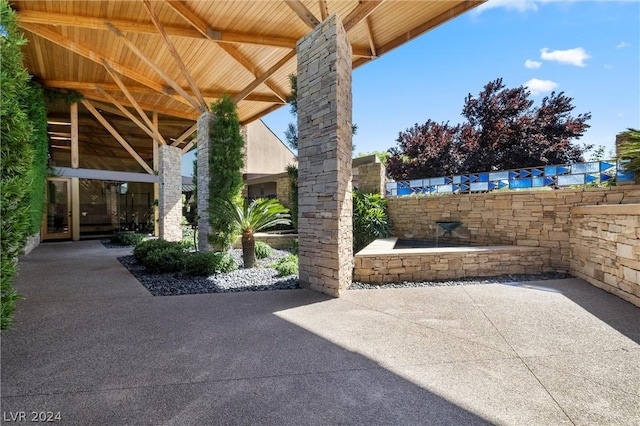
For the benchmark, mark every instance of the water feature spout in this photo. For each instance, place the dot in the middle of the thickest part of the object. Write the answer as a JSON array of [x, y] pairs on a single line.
[[447, 227]]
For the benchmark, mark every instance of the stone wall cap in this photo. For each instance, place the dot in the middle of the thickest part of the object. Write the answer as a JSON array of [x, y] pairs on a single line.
[[617, 209]]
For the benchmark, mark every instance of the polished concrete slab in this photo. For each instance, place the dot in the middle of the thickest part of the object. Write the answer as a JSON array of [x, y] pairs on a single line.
[[91, 343]]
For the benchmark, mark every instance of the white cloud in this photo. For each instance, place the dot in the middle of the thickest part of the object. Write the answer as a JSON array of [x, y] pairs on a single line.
[[538, 87], [517, 5], [622, 45], [575, 56], [534, 65]]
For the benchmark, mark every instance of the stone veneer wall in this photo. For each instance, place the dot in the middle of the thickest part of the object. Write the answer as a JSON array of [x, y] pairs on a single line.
[[324, 158], [532, 219], [283, 191], [371, 178], [605, 248], [170, 200]]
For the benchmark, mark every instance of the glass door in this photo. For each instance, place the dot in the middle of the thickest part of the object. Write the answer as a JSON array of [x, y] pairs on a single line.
[[58, 210]]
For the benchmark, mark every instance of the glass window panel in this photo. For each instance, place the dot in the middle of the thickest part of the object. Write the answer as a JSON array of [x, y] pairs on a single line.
[[480, 186], [499, 176], [437, 181], [415, 183], [537, 182], [445, 188], [571, 180], [520, 183]]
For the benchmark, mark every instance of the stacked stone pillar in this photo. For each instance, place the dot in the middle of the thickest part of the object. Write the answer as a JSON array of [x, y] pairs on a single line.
[[170, 197], [205, 121], [324, 159]]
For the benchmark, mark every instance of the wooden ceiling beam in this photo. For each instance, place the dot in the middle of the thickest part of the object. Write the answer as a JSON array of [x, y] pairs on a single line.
[[110, 87], [117, 136], [357, 15], [185, 135], [201, 26], [426, 26], [260, 114], [176, 56], [221, 36], [303, 13], [259, 80], [324, 9], [132, 100], [140, 124], [162, 110], [81, 50], [372, 44], [235, 53], [170, 81]]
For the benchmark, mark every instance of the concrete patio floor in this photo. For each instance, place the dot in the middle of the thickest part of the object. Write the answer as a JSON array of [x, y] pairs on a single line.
[[91, 343]]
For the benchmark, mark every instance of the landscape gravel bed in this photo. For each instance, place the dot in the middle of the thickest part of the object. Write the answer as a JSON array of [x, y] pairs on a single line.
[[264, 278], [253, 279]]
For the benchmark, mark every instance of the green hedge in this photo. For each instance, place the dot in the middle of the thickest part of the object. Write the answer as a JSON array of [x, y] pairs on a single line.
[[37, 112], [16, 161]]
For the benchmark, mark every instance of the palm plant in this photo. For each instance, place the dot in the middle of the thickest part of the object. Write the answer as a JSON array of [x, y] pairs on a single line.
[[249, 218]]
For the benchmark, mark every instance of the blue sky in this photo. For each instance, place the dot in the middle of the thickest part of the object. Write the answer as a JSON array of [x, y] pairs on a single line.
[[590, 50], [587, 49]]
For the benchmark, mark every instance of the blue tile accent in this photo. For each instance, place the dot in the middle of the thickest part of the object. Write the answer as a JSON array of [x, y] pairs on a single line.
[[520, 183]]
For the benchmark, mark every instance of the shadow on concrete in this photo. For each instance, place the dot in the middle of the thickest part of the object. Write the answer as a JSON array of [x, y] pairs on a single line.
[[114, 358]]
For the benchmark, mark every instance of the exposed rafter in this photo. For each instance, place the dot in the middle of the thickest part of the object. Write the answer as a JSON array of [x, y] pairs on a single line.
[[117, 136], [96, 96], [305, 14], [259, 80], [357, 15], [201, 26], [128, 114], [131, 99], [32, 17], [324, 9], [110, 87], [372, 43], [176, 56], [170, 81], [249, 66], [185, 135]]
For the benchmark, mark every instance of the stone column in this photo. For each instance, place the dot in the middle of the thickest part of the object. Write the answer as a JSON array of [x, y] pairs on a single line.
[[170, 199], [204, 125], [324, 159]]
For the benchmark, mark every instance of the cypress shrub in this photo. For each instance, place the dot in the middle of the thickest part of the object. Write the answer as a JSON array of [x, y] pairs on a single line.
[[225, 170]]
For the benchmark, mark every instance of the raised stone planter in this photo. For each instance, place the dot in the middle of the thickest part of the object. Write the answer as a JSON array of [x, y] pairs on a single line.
[[380, 263]]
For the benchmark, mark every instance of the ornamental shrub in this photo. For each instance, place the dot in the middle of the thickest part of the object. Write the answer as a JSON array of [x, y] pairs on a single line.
[[142, 250], [370, 219], [127, 238], [206, 263], [169, 259], [263, 250], [287, 265]]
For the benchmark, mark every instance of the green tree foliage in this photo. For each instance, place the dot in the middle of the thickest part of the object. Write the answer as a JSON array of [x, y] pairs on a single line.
[[249, 218], [630, 151], [225, 170], [370, 219], [16, 158], [503, 130]]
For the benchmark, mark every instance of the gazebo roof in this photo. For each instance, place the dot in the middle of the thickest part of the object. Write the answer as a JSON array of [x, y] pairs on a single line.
[[179, 56]]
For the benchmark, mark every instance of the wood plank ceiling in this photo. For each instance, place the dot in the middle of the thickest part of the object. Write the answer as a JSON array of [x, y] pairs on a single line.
[[129, 58]]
